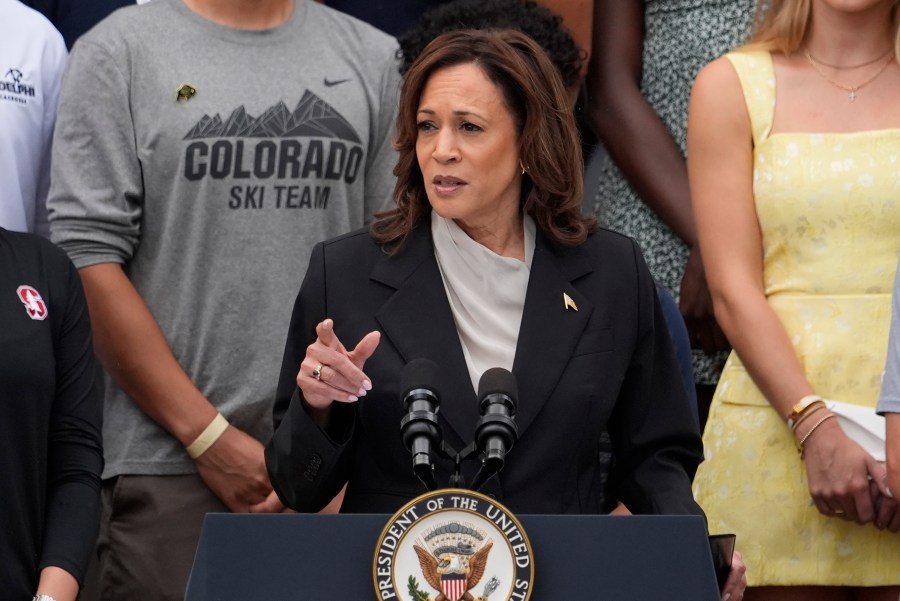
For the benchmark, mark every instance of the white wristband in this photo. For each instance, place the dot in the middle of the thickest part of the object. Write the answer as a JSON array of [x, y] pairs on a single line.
[[209, 436]]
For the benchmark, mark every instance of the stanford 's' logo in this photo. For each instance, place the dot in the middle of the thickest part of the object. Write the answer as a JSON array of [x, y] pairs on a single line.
[[34, 304]]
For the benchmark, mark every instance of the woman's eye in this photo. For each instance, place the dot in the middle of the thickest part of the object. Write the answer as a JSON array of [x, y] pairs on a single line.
[[466, 126], [425, 125]]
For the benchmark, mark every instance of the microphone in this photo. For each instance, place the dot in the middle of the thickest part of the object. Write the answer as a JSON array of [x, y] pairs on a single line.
[[419, 427], [496, 431]]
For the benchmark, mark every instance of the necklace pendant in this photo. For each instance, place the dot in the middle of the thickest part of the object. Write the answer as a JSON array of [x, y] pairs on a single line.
[[852, 95]]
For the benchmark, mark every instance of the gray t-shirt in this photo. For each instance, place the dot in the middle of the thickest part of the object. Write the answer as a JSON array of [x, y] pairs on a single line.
[[889, 402], [208, 161]]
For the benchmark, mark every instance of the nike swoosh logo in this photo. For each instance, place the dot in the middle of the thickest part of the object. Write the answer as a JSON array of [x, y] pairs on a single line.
[[329, 83]]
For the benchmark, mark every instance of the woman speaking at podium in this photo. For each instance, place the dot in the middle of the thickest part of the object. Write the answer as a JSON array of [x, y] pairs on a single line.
[[486, 261]]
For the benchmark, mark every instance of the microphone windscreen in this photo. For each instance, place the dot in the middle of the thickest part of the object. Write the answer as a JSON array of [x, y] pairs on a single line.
[[420, 373], [498, 380]]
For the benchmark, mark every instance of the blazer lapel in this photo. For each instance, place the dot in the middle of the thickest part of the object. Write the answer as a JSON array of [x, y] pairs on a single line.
[[418, 322], [550, 330]]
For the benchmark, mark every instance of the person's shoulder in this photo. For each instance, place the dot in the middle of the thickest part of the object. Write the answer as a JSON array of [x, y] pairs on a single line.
[[608, 264], [356, 241], [34, 250], [22, 17], [355, 31], [126, 26], [28, 25], [23, 240], [348, 253], [612, 254], [607, 241], [604, 251], [18, 15], [718, 72], [724, 71], [717, 92]]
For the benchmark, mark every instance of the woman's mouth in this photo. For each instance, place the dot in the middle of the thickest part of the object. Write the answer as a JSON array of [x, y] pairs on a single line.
[[445, 184]]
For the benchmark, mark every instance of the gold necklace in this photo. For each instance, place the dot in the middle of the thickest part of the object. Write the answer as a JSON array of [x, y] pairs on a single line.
[[848, 67], [851, 90]]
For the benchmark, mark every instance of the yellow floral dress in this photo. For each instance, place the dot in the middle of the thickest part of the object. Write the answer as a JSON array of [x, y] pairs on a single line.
[[829, 212]]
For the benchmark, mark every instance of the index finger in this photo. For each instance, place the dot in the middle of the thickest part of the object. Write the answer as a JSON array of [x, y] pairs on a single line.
[[326, 335]]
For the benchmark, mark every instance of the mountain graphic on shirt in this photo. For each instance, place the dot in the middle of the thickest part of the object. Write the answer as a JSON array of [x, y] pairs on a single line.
[[313, 117]]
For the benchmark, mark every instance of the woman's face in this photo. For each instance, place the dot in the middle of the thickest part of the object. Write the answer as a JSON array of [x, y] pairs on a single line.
[[468, 150]]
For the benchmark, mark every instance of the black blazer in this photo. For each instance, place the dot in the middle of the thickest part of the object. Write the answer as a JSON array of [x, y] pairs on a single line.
[[607, 366]]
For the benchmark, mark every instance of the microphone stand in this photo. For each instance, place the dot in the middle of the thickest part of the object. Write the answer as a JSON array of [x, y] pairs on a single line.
[[489, 467], [425, 471], [457, 480]]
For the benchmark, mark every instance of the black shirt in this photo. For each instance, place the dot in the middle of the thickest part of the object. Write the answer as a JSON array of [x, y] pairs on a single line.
[[51, 453]]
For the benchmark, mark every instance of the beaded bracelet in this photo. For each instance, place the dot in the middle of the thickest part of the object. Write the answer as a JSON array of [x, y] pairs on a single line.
[[806, 436]]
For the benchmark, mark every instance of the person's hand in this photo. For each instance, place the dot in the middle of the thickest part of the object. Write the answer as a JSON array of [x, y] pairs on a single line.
[[887, 509], [330, 373], [271, 504], [887, 516], [839, 472], [736, 583], [235, 470], [696, 307]]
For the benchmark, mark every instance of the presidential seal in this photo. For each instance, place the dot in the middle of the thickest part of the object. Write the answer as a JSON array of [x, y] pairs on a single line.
[[453, 545]]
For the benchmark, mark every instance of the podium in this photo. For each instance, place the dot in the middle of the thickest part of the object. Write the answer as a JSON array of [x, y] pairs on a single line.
[[311, 557]]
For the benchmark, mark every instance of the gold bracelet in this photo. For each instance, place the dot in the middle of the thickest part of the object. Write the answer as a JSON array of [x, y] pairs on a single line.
[[811, 430], [805, 416], [208, 437], [802, 406]]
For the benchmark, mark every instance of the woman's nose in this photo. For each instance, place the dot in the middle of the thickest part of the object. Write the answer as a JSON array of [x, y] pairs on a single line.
[[445, 147]]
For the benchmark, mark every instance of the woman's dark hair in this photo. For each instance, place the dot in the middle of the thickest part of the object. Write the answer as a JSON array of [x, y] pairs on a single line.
[[527, 16], [549, 147]]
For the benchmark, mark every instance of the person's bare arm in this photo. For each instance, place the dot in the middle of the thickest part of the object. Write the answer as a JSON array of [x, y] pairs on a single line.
[[632, 132], [721, 172], [893, 453], [643, 149], [134, 351], [57, 583]]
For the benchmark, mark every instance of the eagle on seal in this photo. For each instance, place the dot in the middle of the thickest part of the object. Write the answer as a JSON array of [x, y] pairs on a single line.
[[448, 564]]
